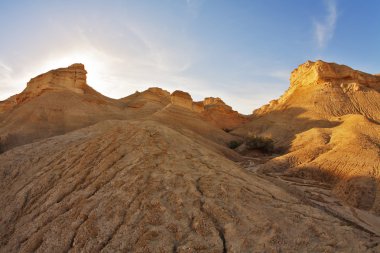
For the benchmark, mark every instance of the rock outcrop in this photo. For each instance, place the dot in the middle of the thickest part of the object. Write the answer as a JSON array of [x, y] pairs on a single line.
[[210, 102], [158, 91], [181, 98], [325, 90], [198, 107], [328, 123], [151, 172], [72, 78], [222, 115], [212, 109], [148, 101], [319, 72], [54, 103], [60, 101]]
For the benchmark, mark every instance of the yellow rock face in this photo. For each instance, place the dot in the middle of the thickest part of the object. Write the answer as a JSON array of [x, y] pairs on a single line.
[[328, 122], [311, 73], [72, 78], [324, 90], [182, 99]]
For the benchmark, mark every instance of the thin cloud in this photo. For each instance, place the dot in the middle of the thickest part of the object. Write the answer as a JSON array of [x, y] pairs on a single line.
[[4, 69], [6, 80], [5, 74], [324, 29]]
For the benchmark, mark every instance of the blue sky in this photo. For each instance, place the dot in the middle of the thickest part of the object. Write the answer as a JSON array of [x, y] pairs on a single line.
[[241, 51]]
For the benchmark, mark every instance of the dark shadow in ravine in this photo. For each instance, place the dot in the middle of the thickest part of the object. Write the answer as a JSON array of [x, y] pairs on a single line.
[[283, 126], [356, 191]]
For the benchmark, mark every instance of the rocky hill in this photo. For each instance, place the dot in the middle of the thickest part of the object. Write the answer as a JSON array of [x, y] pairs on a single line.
[[152, 172], [60, 101], [325, 90], [143, 187], [328, 122]]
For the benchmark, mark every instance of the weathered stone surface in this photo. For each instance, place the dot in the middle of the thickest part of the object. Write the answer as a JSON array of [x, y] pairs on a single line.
[[142, 187], [182, 99], [312, 73], [211, 101], [159, 91], [152, 172], [72, 78], [148, 101], [53, 103], [198, 107], [328, 122], [324, 90], [212, 109], [222, 115]]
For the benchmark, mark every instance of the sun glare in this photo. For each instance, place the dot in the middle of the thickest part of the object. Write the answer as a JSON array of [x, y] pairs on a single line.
[[94, 64]]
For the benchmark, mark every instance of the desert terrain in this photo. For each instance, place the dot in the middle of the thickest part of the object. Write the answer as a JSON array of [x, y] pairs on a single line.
[[158, 172]]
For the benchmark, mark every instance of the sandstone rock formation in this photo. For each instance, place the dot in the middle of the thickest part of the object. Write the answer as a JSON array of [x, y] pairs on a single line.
[[329, 122], [198, 107], [325, 90], [142, 104], [222, 115], [212, 109], [151, 172], [182, 99], [138, 99], [72, 78], [60, 101], [53, 103]]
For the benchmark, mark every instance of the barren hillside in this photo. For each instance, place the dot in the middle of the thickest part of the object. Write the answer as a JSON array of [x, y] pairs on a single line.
[[152, 172], [328, 121], [140, 186], [60, 101]]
